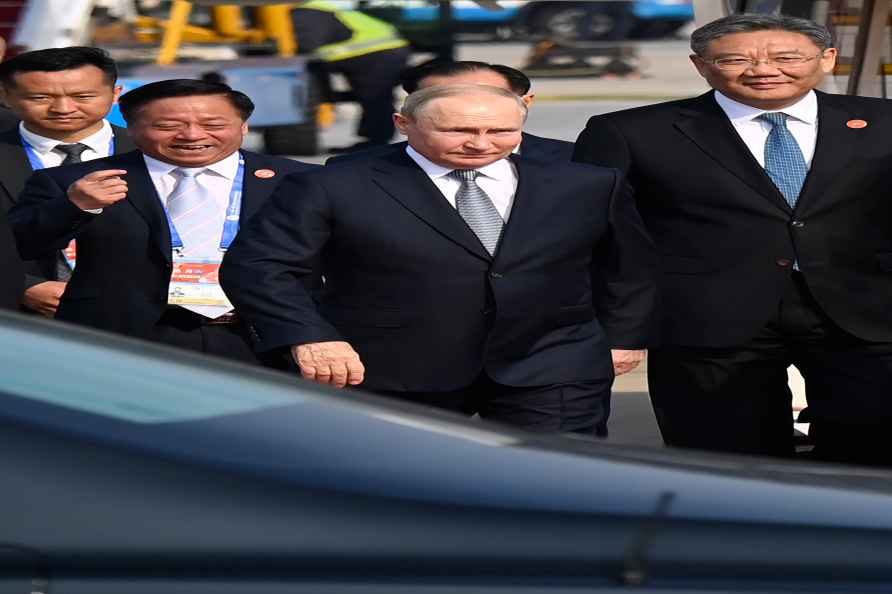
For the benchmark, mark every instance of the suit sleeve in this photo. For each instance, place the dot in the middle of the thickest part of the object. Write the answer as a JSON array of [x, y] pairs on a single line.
[[269, 268], [626, 274], [44, 219], [602, 143], [11, 265]]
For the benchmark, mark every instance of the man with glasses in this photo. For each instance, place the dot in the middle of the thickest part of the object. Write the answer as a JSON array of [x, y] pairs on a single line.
[[769, 202]]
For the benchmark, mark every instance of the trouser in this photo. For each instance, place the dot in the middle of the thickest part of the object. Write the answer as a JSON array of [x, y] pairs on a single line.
[[738, 400], [372, 78], [578, 407]]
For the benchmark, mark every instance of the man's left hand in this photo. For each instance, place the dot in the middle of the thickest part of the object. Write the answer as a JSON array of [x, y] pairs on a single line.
[[625, 361]]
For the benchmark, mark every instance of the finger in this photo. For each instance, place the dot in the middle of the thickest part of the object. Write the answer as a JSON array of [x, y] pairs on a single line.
[[355, 372], [339, 375], [104, 174], [323, 374], [307, 371]]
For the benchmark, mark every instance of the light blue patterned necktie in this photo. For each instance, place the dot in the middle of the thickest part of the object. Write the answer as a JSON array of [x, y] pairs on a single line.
[[784, 162], [477, 209], [194, 214]]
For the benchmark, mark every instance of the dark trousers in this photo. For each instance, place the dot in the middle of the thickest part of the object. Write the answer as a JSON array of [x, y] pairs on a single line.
[[738, 400], [184, 329], [372, 78], [581, 408]]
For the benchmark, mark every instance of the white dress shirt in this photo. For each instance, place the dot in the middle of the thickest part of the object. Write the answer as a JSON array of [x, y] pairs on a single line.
[[217, 178], [97, 145], [498, 180], [802, 124]]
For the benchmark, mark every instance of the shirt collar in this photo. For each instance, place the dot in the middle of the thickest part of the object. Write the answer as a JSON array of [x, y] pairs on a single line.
[[499, 170], [98, 142], [226, 167], [804, 110]]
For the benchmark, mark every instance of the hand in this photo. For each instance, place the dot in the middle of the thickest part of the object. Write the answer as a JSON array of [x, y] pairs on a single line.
[[625, 361], [44, 297], [98, 189], [333, 363]]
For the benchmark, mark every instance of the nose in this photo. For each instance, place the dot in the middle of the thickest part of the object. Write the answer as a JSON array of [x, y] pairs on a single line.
[[190, 132], [62, 104], [762, 67], [479, 142]]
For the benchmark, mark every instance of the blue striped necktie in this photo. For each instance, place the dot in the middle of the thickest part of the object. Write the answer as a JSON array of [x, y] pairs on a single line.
[[477, 209], [784, 162]]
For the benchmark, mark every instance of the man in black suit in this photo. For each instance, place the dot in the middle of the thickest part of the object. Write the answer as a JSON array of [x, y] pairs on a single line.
[[430, 295], [152, 224], [61, 97], [444, 72], [769, 203]]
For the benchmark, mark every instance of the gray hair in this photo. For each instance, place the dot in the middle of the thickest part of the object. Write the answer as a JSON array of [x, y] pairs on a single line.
[[416, 102], [745, 23]]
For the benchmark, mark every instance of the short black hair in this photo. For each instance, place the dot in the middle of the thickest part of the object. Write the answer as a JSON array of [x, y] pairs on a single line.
[[58, 59], [131, 101], [517, 81]]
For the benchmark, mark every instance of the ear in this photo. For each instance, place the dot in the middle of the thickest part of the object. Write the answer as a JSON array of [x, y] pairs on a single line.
[[402, 123], [244, 128], [118, 90], [529, 98], [700, 64], [828, 60]]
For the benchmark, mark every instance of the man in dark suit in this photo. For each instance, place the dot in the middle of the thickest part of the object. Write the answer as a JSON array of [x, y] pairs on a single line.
[[61, 97], [13, 277], [444, 72], [769, 203], [430, 295], [152, 224]]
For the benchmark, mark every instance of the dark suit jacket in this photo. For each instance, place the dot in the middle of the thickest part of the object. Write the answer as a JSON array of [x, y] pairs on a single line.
[[409, 285], [725, 233], [13, 276], [124, 254], [14, 173], [532, 148]]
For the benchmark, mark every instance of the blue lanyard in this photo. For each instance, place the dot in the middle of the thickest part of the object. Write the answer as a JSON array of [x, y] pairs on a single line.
[[36, 163], [233, 211]]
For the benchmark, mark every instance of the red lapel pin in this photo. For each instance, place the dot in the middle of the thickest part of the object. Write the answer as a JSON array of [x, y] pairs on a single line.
[[266, 173], [856, 124]]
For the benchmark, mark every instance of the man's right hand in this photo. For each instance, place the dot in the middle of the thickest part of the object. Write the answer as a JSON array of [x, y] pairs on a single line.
[[333, 363], [98, 189], [44, 297]]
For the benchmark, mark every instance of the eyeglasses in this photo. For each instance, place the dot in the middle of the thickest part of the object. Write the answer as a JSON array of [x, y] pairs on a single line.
[[776, 61]]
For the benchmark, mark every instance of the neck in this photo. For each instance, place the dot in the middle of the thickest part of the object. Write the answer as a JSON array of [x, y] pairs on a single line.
[[66, 136]]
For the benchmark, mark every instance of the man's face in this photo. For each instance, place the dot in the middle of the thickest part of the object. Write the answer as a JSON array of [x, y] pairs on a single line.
[[765, 86], [464, 132], [476, 77], [63, 104], [192, 131]]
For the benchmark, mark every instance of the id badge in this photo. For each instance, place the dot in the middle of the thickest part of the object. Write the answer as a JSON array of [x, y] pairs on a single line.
[[196, 282]]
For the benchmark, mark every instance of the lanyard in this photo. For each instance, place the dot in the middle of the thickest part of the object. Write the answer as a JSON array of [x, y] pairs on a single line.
[[233, 210], [36, 162]]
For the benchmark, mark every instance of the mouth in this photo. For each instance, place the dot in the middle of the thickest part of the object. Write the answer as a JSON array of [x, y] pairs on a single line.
[[764, 85], [191, 148]]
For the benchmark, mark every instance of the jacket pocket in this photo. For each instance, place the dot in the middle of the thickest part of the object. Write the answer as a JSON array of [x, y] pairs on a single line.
[[573, 314]]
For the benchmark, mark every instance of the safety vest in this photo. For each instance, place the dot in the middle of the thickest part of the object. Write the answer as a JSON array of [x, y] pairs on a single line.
[[369, 34]]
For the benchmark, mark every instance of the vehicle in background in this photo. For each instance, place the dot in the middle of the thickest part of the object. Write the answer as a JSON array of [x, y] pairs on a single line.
[[566, 20]]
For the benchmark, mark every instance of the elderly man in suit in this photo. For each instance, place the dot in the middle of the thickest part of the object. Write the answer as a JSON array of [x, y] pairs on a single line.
[[769, 203], [445, 72], [62, 97], [456, 275], [152, 224]]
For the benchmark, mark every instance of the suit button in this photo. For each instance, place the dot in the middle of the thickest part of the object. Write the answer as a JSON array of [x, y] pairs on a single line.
[[783, 262], [495, 275], [797, 224], [486, 311]]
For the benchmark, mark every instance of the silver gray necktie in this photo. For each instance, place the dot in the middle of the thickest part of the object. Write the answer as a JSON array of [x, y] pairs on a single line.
[[193, 211], [477, 209]]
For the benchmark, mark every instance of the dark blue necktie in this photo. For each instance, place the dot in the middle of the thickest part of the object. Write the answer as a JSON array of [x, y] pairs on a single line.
[[784, 162]]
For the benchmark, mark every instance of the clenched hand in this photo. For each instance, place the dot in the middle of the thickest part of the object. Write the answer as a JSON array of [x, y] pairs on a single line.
[[625, 361], [333, 363], [98, 189]]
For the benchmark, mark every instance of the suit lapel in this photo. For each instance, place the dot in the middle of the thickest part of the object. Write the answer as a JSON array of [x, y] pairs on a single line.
[[407, 183], [533, 183], [142, 195], [256, 189], [708, 127], [123, 144], [834, 150], [17, 168]]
